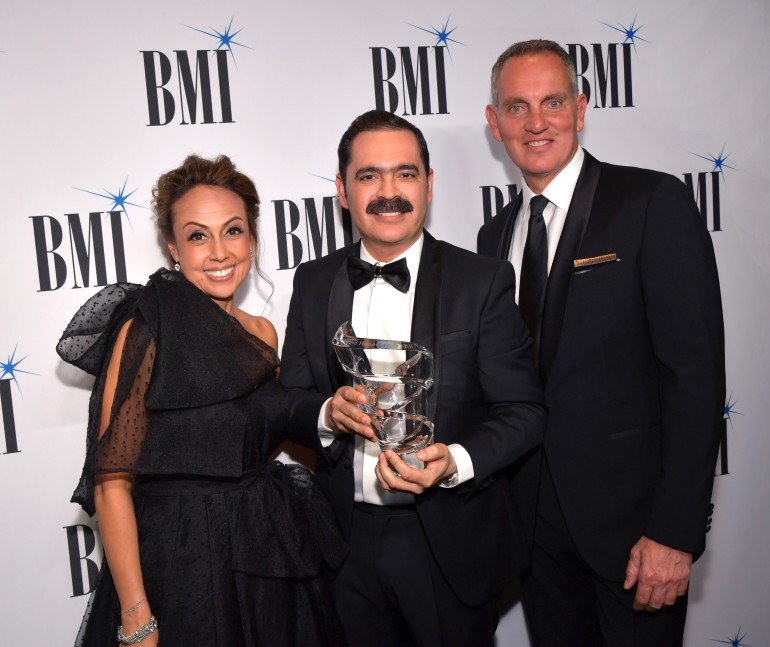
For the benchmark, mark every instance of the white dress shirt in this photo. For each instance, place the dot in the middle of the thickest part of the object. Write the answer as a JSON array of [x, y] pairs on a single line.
[[559, 193], [382, 312]]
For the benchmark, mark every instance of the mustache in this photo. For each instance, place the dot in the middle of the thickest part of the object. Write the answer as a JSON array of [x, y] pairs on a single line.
[[383, 205]]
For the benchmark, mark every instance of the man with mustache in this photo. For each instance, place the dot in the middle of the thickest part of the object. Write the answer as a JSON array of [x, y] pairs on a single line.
[[430, 549]]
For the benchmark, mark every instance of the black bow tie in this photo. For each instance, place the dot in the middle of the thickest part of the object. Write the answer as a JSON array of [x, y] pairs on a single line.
[[361, 273]]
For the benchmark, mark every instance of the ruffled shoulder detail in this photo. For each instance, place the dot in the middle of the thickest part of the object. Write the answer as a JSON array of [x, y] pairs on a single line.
[[83, 342], [203, 355]]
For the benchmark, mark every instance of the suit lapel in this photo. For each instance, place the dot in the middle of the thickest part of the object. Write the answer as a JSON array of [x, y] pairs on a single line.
[[509, 213], [338, 311], [426, 314], [561, 270]]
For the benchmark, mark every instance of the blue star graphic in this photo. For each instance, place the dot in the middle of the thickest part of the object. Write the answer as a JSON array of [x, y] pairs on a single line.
[[737, 641], [730, 410], [442, 35], [718, 161], [322, 177], [11, 367], [119, 199], [225, 38], [630, 33]]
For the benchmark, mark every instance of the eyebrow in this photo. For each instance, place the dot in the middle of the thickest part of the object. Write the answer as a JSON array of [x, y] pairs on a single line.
[[548, 97], [381, 169], [192, 223]]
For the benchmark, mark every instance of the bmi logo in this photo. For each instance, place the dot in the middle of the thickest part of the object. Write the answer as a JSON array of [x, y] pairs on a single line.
[[705, 188], [10, 370], [311, 230], [605, 71], [81, 544], [413, 79], [193, 86], [493, 199], [92, 251]]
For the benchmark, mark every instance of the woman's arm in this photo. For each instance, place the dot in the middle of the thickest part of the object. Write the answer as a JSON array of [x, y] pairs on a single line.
[[117, 520]]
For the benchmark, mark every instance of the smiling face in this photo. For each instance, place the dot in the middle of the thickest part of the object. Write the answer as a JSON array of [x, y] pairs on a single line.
[[387, 190], [212, 241], [538, 116]]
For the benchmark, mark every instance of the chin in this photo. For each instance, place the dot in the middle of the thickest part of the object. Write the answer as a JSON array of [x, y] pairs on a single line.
[[220, 297]]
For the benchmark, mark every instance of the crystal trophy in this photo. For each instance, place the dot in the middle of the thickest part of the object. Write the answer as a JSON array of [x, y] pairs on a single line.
[[395, 377]]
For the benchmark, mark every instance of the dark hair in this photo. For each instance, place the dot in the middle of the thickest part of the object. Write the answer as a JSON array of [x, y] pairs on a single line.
[[537, 46], [195, 171], [377, 120]]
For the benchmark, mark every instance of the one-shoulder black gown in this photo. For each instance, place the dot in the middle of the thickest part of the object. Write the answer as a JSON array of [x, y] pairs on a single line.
[[233, 548]]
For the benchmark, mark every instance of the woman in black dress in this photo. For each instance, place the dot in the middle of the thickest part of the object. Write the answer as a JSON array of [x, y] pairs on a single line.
[[206, 543]]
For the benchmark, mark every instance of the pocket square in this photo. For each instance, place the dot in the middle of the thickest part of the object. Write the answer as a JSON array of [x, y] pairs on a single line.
[[579, 263]]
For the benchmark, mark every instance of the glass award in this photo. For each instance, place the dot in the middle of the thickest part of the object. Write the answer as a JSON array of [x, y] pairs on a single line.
[[395, 377]]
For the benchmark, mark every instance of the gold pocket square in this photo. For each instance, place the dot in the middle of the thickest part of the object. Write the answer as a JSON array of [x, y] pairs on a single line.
[[595, 260]]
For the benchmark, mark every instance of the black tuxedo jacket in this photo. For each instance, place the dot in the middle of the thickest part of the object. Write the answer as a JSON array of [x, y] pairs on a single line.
[[632, 363], [486, 397]]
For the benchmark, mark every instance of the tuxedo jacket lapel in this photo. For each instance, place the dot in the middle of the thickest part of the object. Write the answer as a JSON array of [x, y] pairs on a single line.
[[338, 311], [504, 248], [562, 268], [426, 313]]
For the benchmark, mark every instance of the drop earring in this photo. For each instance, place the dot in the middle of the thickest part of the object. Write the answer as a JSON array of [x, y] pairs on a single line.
[[177, 266]]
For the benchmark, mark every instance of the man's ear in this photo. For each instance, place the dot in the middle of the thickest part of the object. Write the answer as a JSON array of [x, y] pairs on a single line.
[[492, 121], [341, 191], [582, 103]]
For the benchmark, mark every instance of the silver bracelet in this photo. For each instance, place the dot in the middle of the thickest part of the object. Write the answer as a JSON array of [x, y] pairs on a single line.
[[132, 610], [139, 635]]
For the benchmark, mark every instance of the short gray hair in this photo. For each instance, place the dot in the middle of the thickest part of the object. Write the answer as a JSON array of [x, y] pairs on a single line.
[[537, 46]]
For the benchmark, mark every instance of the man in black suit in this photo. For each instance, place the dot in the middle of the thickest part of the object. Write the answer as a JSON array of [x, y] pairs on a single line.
[[618, 284], [429, 549]]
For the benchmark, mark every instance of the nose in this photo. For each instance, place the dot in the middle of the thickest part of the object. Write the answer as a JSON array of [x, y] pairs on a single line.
[[218, 250], [388, 188], [536, 122]]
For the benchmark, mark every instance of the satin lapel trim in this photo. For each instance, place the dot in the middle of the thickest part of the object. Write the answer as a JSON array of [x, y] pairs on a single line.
[[339, 310], [504, 247], [561, 270], [426, 314]]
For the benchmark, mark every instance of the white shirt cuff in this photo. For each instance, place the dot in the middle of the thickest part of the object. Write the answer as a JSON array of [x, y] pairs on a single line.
[[325, 434]]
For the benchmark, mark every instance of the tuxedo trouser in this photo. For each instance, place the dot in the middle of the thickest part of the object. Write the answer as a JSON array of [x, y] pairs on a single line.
[[390, 591], [566, 604]]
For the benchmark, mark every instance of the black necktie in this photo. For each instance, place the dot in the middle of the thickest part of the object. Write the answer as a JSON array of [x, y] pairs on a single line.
[[534, 270], [361, 273]]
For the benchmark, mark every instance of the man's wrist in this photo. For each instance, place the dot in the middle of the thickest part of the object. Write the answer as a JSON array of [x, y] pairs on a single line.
[[463, 467], [450, 481]]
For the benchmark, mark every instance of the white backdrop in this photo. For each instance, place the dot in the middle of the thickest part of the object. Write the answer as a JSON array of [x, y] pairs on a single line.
[[692, 92]]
